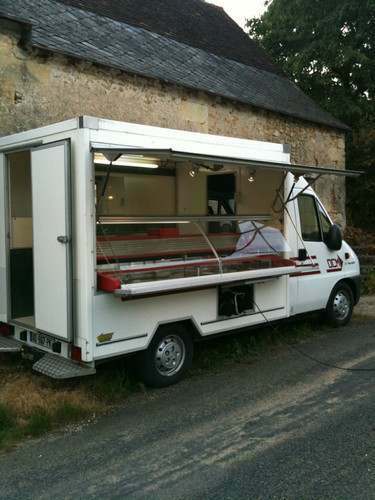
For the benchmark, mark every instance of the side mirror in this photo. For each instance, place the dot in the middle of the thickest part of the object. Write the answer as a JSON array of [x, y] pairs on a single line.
[[333, 239], [302, 254]]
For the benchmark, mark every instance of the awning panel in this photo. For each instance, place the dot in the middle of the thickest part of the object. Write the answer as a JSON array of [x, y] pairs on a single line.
[[114, 153]]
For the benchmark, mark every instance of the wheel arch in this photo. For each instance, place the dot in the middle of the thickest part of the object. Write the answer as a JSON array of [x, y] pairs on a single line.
[[188, 324], [354, 284]]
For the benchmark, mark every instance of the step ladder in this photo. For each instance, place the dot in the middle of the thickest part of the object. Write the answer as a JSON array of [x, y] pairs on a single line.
[[9, 344], [60, 368], [49, 364]]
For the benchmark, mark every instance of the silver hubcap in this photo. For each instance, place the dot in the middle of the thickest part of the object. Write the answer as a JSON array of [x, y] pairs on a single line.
[[341, 305], [170, 355]]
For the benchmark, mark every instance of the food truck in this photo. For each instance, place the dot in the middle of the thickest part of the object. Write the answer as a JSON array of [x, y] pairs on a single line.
[[118, 239]]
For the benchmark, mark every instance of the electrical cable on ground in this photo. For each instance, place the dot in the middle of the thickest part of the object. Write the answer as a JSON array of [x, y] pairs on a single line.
[[308, 356], [291, 346]]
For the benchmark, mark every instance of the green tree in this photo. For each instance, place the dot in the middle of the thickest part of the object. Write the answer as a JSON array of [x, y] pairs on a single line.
[[328, 48]]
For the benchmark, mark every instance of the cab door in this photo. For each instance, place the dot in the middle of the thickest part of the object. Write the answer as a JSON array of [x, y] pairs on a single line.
[[50, 175], [314, 283]]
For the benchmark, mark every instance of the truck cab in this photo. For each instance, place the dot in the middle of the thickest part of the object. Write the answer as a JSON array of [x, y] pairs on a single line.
[[320, 243]]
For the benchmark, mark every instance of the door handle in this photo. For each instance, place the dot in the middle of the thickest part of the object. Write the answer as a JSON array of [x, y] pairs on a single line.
[[63, 239]]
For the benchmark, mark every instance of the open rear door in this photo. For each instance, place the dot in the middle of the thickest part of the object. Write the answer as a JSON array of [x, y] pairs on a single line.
[[50, 173]]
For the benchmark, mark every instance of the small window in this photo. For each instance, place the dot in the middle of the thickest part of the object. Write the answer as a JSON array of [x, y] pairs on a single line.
[[309, 218], [221, 193], [325, 223]]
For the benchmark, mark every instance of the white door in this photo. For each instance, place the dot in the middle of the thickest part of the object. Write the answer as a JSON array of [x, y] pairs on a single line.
[[52, 239], [315, 285]]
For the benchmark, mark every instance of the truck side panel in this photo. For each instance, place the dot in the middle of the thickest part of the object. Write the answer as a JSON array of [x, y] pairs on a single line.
[[128, 326]]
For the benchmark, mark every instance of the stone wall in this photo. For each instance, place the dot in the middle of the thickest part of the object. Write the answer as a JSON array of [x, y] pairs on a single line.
[[37, 89]]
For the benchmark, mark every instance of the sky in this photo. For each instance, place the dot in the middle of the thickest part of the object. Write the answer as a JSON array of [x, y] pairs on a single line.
[[240, 10]]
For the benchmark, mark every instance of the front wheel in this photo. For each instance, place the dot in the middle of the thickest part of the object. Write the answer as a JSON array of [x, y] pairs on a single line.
[[167, 358], [339, 309]]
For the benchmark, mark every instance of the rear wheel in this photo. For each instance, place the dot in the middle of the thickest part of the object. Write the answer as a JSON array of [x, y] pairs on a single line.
[[339, 309], [167, 358]]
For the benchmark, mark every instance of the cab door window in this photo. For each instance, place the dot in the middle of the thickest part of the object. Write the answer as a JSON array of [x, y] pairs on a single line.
[[325, 223], [308, 214]]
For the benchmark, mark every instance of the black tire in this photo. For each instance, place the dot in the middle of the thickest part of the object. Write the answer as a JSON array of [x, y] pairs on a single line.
[[161, 364], [340, 305]]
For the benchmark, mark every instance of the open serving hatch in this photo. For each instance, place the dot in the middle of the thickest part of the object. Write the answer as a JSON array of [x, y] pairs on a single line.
[[169, 220]]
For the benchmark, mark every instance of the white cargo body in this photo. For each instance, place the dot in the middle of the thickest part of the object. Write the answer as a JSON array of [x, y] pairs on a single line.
[[112, 233]]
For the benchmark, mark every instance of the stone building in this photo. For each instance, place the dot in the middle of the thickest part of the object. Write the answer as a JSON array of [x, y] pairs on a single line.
[[181, 64]]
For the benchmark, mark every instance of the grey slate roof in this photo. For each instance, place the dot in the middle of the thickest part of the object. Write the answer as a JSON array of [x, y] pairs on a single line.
[[85, 35], [196, 23]]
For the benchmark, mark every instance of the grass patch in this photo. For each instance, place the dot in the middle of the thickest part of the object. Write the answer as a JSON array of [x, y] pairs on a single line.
[[6, 418], [113, 382], [14, 428], [67, 413], [368, 283], [38, 423], [32, 405], [7, 425]]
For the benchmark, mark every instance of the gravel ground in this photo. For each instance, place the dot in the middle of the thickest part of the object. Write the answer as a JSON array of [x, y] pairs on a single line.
[[283, 427]]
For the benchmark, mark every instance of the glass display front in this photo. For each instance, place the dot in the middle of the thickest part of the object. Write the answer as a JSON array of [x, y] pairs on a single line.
[[182, 222]]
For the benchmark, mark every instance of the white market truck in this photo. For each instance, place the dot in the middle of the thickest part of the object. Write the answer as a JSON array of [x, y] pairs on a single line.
[[118, 238]]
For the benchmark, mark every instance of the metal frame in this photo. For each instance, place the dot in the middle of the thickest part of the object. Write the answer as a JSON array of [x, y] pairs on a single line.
[[8, 215], [180, 219], [309, 184], [20, 149], [5, 206], [37, 136]]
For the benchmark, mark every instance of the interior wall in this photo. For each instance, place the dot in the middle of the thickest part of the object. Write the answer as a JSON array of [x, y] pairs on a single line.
[[257, 197], [140, 195], [183, 195], [191, 192], [251, 198], [20, 200], [20, 184]]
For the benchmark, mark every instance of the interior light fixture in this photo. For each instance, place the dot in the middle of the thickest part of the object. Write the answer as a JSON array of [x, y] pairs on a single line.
[[193, 172], [251, 177], [127, 161]]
